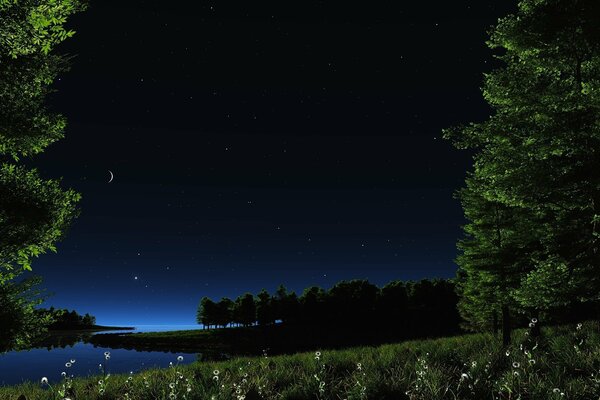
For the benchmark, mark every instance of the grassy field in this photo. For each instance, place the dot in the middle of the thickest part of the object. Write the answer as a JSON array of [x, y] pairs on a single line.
[[563, 364]]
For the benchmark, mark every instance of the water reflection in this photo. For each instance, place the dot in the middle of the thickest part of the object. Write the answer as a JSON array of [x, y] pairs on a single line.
[[49, 357]]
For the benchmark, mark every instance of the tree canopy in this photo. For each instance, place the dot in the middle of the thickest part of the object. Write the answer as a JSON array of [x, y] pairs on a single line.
[[34, 212], [532, 199]]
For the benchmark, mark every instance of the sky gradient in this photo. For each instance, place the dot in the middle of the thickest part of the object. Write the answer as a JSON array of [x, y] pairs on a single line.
[[254, 145]]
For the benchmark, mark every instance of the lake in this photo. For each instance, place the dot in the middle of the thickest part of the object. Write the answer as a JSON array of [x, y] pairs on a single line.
[[32, 365]]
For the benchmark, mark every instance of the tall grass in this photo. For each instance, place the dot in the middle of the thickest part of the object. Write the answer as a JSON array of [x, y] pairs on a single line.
[[563, 364]]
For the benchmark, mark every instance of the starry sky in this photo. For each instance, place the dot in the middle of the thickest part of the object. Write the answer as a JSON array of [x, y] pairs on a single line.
[[259, 143]]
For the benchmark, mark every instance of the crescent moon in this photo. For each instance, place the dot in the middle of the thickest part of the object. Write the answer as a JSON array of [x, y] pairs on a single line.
[[112, 176]]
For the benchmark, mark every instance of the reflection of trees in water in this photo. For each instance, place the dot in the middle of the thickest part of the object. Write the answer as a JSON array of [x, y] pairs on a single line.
[[61, 340]]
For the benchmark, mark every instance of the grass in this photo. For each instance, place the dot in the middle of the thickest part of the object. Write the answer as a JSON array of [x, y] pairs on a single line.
[[563, 364]]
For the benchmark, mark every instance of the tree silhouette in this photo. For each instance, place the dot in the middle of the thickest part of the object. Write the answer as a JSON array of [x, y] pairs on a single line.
[[392, 305], [224, 312], [245, 310], [313, 303], [286, 305], [357, 308], [353, 300], [265, 309], [207, 312]]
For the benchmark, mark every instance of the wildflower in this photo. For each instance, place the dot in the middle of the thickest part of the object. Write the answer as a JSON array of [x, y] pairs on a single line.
[[532, 362], [63, 374], [68, 365], [516, 365], [534, 321], [507, 353], [44, 381], [579, 326], [100, 382], [180, 358], [72, 361], [172, 385], [516, 373], [216, 372], [464, 376], [359, 366]]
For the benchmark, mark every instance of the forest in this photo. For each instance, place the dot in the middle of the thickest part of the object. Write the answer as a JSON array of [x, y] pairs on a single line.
[[354, 304]]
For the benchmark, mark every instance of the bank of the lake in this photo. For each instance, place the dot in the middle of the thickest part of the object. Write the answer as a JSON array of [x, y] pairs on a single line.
[[561, 364], [217, 344]]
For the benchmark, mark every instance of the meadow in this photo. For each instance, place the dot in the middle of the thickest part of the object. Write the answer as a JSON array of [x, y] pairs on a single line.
[[562, 364]]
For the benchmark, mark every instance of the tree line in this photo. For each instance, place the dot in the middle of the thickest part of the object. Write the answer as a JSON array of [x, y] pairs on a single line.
[[428, 304], [532, 200], [65, 319]]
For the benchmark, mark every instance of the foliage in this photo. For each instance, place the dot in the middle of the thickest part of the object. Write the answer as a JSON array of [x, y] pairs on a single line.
[[423, 307], [535, 185], [564, 365], [65, 319], [21, 323], [33, 212]]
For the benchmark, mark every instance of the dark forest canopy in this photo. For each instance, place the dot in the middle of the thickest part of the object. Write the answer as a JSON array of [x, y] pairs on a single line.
[[65, 319], [405, 306]]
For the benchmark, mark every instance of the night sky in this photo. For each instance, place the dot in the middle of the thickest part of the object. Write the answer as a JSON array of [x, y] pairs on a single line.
[[259, 143]]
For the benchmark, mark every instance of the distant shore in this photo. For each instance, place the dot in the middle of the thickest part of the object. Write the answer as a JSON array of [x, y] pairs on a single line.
[[92, 328]]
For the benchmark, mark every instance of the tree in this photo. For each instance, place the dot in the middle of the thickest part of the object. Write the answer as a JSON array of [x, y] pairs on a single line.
[[207, 312], [224, 312], [392, 304], [495, 255], [265, 308], [34, 213], [313, 302], [286, 305], [353, 301], [88, 320], [244, 311], [21, 323], [536, 157]]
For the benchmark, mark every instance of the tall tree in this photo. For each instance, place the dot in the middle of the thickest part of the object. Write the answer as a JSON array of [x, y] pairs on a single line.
[[495, 255], [537, 154], [207, 312], [353, 301], [265, 308], [287, 306], [224, 312], [34, 212], [244, 310]]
